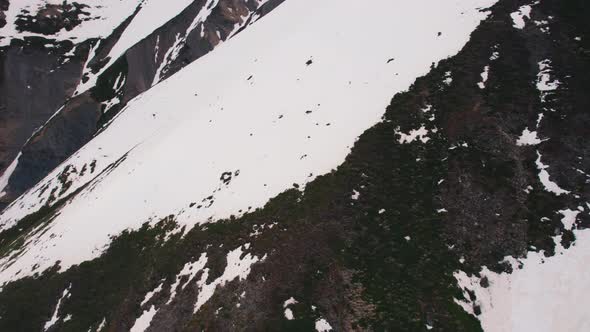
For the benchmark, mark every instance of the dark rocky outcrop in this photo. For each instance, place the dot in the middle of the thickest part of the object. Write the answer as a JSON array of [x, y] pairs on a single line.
[[35, 80], [73, 126], [52, 18], [3, 7]]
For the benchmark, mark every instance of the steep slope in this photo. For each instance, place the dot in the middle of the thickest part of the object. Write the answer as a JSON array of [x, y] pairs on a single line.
[[84, 75], [463, 201], [44, 45], [218, 138]]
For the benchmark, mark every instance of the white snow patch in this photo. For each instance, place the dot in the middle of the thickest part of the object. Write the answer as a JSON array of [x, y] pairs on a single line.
[[414, 134], [71, 52], [102, 325], [289, 302], [495, 55], [539, 118], [543, 25], [528, 138], [237, 268], [189, 269], [229, 125], [544, 177], [55, 317], [545, 83], [7, 174], [151, 294], [545, 295], [448, 78], [427, 109], [144, 321], [119, 81], [110, 103], [569, 218], [519, 15], [322, 325], [289, 314], [258, 229], [484, 77]]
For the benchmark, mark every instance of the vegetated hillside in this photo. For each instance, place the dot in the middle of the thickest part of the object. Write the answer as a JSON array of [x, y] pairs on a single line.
[[482, 158]]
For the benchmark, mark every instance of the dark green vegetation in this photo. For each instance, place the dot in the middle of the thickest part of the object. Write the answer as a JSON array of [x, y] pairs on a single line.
[[383, 261]]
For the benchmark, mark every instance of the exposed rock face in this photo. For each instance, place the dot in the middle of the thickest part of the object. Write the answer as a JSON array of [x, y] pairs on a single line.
[[3, 7], [52, 18], [73, 126], [152, 60], [36, 79]]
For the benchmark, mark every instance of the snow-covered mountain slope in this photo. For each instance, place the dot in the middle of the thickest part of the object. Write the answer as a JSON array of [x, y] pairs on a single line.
[[281, 104], [80, 83]]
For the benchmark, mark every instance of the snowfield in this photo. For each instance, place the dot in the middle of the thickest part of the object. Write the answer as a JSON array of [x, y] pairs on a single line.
[[545, 295], [281, 103]]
